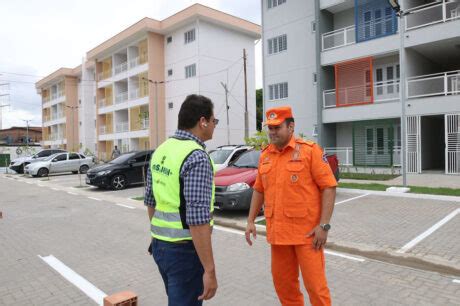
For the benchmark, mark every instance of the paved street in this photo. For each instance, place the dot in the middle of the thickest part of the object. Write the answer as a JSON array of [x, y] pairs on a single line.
[[106, 243]]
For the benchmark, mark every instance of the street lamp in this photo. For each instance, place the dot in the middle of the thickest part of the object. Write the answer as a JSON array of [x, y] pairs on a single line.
[[402, 84], [156, 107]]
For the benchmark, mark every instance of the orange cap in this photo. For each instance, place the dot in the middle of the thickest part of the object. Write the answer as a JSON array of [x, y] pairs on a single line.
[[277, 115]]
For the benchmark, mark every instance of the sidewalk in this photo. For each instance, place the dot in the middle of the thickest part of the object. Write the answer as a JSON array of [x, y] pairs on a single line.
[[432, 179]]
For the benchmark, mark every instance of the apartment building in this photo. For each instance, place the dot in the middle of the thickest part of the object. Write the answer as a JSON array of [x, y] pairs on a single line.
[[338, 63], [143, 74]]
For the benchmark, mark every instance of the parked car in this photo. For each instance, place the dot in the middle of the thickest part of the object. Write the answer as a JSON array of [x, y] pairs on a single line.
[[127, 169], [234, 184], [225, 155], [59, 163], [233, 189], [18, 164]]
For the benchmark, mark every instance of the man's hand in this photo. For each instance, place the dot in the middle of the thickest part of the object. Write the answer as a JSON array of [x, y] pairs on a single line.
[[320, 237], [209, 284], [250, 229]]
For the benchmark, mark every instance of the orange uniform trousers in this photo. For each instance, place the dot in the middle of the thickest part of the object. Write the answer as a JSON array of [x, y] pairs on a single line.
[[286, 260]]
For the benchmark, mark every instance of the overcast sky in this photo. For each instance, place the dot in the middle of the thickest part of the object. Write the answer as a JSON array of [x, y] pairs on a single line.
[[38, 37]]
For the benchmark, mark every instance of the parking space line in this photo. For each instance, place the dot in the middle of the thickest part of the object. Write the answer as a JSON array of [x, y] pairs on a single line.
[[127, 206], [72, 193], [428, 232], [95, 199], [76, 279], [344, 256], [348, 200], [228, 230], [457, 281]]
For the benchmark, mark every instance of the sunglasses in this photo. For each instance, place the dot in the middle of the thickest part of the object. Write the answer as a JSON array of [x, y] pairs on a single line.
[[215, 121]]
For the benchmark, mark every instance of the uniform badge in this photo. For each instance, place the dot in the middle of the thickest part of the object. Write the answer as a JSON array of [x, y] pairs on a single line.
[[325, 158], [272, 116], [294, 178]]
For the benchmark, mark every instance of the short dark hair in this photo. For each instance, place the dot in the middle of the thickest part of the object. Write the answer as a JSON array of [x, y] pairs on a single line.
[[288, 121], [192, 109]]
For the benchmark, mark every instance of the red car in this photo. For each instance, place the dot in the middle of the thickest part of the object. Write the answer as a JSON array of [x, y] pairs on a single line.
[[234, 183]]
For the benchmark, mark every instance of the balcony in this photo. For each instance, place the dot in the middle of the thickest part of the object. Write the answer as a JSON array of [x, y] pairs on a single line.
[[104, 75], [383, 92], [134, 62], [438, 84], [121, 97], [122, 127], [339, 38], [102, 130], [58, 136], [121, 68], [57, 115], [102, 103], [134, 94], [432, 13], [145, 123]]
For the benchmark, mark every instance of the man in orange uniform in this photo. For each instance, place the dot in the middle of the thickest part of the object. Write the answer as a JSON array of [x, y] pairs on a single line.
[[297, 187]]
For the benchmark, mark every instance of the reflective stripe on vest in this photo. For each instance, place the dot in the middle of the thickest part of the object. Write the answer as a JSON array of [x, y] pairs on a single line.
[[171, 233], [167, 216]]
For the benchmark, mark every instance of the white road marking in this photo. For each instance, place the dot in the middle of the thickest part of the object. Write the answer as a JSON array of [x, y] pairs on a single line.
[[127, 206], [72, 193], [348, 200], [73, 277], [95, 199], [344, 256], [457, 281], [428, 232], [234, 231], [28, 183], [56, 189]]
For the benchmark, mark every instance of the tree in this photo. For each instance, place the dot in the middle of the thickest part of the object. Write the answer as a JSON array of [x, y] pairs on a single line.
[[259, 140], [259, 108]]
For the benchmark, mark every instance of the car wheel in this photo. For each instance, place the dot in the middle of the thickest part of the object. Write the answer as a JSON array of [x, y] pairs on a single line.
[[118, 182], [83, 169], [42, 172], [21, 169]]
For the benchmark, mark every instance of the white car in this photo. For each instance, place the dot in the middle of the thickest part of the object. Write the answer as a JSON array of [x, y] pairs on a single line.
[[225, 155], [60, 162], [19, 163]]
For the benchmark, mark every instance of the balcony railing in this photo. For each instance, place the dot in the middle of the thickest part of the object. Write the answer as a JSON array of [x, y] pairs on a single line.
[[105, 74], [431, 13], [437, 84], [58, 115], [121, 97], [345, 155], [55, 137], [122, 127], [133, 62], [338, 38], [103, 130], [145, 123], [383, 92], [102, 103], [121, 68], [134, 94]]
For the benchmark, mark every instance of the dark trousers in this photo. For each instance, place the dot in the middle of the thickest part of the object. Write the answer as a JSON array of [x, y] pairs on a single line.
[[181, 270]]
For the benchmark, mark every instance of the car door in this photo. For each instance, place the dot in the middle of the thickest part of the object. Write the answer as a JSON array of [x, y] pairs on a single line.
[[73, 163], [58, 163], [140, 161]]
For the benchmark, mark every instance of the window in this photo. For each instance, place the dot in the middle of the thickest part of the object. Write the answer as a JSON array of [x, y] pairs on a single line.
[[380, 141], [170, 72], [169, 39], [81, 156], [278, 91], [142, 158], [80, 123], [170, 105], [390, 77], [369, 140], [315, 78], [189, 36], [79, 101], [60, 157], [313, 26], [190, 71], [277, 44], [236, 155], [74, 156], [379, 79], [378, 22], [274, 3], [315, 130]]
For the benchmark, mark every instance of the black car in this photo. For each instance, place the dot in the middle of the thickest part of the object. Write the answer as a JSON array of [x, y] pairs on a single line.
[[127, 169]]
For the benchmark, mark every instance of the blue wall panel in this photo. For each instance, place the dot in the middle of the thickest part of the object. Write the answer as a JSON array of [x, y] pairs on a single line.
[[374, 19]]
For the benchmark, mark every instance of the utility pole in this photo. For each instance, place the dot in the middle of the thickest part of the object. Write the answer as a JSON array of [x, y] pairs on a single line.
[[156, 109], [27, 133], [227, 107], [246, 117], [2, 85]]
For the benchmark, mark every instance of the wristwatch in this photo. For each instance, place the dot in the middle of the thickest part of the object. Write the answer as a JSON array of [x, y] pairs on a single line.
[[325, 227]]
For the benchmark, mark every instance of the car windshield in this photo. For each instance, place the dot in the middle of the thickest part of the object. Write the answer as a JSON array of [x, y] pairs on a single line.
[[220, 156], [42, 154], [122, 158], [249, 159]]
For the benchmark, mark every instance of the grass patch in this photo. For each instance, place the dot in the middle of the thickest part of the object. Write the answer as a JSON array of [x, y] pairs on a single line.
[[261, 222], [413, 189], [367, 176], [138, 198]]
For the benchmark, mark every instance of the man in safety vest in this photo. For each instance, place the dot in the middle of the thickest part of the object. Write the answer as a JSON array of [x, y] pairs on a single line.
[[297, 186], [180, 195]]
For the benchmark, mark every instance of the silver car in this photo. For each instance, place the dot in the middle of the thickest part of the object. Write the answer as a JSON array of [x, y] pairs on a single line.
[[60, 162]]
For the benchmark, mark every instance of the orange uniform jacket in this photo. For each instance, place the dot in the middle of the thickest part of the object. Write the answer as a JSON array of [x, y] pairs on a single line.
[[291, 181]]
